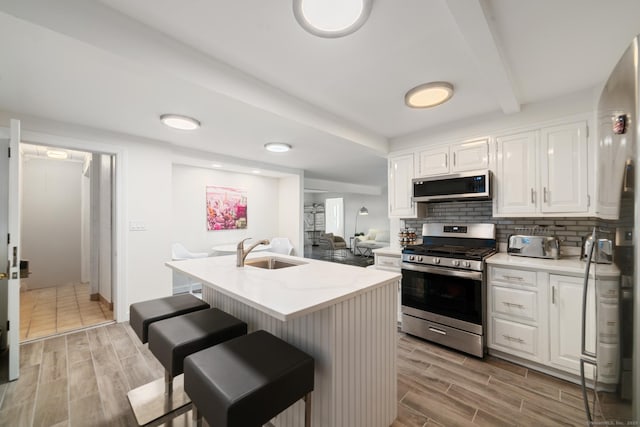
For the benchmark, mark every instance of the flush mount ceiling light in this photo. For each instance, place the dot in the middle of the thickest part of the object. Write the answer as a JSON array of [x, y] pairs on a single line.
[[277, 147], [179, 122], [429, 95], [57, 154], [331, 18]]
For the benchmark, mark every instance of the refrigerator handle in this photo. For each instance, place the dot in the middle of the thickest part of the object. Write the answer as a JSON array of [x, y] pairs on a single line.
[[583, 383], [585, 292]]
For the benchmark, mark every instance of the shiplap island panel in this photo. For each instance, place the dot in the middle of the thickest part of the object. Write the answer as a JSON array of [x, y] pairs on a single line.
[[344, 316]]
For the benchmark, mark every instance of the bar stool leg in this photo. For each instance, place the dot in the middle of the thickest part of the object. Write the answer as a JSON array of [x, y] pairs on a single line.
[[168, 383], [307, 410], [196, 417]]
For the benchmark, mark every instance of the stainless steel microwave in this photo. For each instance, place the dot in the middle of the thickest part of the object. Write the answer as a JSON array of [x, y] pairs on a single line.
[[460, 186]]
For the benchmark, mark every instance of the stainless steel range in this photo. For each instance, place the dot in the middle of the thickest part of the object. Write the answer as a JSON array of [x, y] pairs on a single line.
[[444, 287]]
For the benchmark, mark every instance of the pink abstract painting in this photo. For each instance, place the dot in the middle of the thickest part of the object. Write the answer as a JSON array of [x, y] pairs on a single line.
[[226, 208]]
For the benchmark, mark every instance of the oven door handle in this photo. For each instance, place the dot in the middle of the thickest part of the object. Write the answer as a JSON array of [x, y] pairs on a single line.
[[473, 275]]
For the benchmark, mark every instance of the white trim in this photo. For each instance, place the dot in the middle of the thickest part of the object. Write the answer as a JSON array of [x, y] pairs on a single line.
[[121, 312]]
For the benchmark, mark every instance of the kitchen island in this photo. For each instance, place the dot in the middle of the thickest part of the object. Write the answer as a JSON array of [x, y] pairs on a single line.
[[344, 316]]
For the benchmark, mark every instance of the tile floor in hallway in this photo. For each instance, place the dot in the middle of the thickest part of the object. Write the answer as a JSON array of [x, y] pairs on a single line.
[[81, 379], [49, 311]]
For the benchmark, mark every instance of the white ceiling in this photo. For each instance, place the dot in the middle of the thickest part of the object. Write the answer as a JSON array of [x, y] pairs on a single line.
[[251, 75]]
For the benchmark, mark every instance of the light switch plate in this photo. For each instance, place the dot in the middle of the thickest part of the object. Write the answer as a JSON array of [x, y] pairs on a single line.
[[137, 226]]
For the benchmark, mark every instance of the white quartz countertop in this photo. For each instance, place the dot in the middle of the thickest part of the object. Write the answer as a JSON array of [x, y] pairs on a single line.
[[284, 293], [571, 265]]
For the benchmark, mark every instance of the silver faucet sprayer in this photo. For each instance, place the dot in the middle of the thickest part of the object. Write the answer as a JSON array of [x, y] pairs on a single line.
[[241, 254]]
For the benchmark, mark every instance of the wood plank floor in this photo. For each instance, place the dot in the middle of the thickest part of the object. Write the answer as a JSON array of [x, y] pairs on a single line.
[[81, 379]]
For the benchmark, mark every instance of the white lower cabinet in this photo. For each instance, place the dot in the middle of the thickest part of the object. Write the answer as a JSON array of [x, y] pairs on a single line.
[[565, 321], [515, 322], [391, 261], [537, 316]]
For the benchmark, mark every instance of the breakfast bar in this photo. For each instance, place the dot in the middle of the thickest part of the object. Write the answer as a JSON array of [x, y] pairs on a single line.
[[344, 316]]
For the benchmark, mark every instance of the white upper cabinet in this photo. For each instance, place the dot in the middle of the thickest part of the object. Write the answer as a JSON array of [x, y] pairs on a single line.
[[470, 155], [515, 180], [563, 171], [461, 157], [542, 172], [400, 187], [432, 162]]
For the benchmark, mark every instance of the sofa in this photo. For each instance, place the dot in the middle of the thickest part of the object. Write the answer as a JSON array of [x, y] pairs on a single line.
[[374, 239]]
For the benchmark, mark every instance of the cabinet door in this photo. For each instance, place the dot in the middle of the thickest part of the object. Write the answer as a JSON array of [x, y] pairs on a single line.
[[565, 321], [563, 168], [470, 156], [400, 187], [515, 182], [433, 162]]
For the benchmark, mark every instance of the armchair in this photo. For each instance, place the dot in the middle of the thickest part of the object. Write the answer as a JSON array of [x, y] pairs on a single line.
[[334, 245]]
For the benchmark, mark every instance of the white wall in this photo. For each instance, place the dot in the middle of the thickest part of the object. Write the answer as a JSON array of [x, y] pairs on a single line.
[[51, 206], [189, 225], [531, 114], [290, 207], [377, 206]]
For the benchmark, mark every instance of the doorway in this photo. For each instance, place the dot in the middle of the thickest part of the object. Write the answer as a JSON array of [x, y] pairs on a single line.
[[67, 240]]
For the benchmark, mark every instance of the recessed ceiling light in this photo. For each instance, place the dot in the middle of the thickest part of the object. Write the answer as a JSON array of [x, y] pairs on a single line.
[[255, 171], [429, 95], [277, 147], [331, 18], [57, 154], [179, 122], [216, 165]]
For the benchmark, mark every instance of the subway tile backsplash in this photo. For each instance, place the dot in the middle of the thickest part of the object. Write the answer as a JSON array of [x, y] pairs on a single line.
[[569, 230]]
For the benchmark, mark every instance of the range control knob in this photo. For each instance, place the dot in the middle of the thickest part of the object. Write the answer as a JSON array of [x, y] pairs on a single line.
[[436, 260], [466, 264], [419, 258], [412, 258], [456, 263]]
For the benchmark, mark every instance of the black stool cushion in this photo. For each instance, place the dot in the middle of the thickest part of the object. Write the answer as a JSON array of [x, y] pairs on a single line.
[[171, 340], [142, 314], [248, 380]]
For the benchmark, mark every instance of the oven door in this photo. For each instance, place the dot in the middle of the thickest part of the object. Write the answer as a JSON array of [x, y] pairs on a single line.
[[447, 296]]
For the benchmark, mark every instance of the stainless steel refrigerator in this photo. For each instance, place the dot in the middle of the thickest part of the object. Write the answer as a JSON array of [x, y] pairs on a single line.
[[618, 210]]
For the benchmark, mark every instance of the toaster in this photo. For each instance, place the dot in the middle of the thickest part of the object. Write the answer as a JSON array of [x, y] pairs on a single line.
[[602, 253], [534, 246]]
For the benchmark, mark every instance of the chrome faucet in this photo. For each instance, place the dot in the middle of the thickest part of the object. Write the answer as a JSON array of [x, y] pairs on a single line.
[[241, 254]]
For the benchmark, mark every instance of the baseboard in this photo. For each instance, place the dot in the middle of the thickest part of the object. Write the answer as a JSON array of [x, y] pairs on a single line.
[[103, 300]]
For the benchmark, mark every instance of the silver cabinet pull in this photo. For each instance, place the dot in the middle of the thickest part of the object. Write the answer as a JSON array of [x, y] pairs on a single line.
[[544, 194], [454, 159], [533, 197], [512, 304], [446, 157], [514, 278], [553, 295], [513, 339], [437, 331]]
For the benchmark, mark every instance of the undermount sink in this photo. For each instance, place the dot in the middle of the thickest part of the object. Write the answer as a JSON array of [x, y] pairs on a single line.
[[272, 263]]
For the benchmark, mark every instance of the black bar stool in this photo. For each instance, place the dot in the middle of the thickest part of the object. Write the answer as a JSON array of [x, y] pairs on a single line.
[[171, 340], [248, 380], [142, 314]]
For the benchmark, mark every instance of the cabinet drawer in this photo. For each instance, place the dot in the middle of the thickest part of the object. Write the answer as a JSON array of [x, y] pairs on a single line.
[[388, 261], [516, 277], [515, 302], [608, 362], [515, 336]]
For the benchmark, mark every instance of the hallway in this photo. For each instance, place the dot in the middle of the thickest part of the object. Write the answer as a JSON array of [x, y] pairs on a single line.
[[50, 311]]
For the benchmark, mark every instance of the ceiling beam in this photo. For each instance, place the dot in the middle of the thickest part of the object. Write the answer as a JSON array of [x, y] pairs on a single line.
[[472, 19]]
